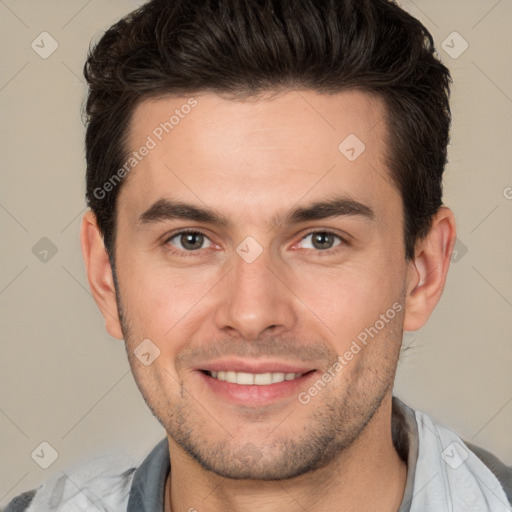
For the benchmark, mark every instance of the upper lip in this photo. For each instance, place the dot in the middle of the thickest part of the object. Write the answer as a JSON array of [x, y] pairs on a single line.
[[254, 366]]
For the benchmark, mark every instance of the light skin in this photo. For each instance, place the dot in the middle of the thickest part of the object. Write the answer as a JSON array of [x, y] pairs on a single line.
[[295, 307]]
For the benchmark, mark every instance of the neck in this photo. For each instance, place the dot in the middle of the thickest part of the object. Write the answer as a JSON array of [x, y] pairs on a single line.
[[368, 475]]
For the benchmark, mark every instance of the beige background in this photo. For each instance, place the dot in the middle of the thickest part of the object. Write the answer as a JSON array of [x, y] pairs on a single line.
[[66, 382]]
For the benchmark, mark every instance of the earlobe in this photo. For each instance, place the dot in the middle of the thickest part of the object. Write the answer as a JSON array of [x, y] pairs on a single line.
[[427, 273], [99, 273]]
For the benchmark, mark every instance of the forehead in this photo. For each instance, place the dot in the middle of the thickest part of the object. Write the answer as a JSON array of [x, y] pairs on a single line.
[[261, 155]]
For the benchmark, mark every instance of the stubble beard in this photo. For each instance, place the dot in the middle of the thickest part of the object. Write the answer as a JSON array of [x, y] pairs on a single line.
[[335, 422]]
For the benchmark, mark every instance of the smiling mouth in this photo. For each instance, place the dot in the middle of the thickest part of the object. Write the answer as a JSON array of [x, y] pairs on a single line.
[[251, 379]]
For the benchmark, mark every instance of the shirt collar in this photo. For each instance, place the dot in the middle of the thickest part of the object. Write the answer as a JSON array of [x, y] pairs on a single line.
[[148, 484], [404, 423]]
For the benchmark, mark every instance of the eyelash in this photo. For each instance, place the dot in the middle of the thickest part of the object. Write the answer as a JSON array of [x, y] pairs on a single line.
[[180, 252], [332, 250], [316, 252]]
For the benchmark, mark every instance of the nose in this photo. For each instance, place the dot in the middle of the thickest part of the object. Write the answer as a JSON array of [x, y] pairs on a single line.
[[256, 299]]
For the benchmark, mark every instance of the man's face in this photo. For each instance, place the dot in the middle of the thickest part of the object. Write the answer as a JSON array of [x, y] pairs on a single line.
[[266, 295]]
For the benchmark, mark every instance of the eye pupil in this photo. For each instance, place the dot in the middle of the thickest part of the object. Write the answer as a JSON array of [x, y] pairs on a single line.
[[322, 240], [192, 240]]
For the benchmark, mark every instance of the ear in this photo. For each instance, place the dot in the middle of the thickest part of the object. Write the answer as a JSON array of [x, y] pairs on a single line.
[[99, 273], [427, 272]]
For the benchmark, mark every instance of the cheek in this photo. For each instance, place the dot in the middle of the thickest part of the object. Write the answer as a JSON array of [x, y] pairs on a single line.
[[160, 303], [351, 298]]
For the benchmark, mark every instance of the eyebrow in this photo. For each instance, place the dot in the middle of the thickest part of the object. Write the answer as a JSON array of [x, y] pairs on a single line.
[[166, 209]]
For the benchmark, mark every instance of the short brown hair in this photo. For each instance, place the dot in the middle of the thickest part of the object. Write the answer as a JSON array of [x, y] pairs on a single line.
[[245, 47]]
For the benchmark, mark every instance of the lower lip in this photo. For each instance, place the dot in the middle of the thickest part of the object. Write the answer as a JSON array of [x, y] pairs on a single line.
[[257, 395]]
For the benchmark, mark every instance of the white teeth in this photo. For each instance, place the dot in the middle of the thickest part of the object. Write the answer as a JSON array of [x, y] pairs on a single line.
[[258, 379], [244, 378], [263, 379], [231, 377], [278, 377]]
